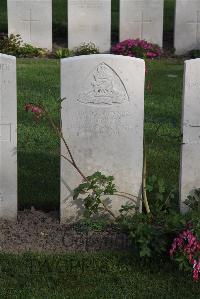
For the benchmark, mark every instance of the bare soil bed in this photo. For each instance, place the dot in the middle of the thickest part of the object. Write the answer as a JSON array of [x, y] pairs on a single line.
[[37, 231]]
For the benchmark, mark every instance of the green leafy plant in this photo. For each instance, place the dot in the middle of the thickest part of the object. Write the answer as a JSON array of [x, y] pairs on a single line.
[[159, 197], [63, 53], [10, 44], [13, 45], [194, 53], [152, 234], [193, 200], [92, 190], [86, 49], [29, 51]]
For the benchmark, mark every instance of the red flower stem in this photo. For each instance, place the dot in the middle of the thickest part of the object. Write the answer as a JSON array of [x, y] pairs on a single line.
[[59, 132]]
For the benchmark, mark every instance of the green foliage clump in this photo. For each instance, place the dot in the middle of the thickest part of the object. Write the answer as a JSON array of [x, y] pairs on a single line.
[[194, 54], [91, 191], [10, 44], [152, 234], [63, 53], [160, 199], [86, 49], [193, 201], [13, 45]]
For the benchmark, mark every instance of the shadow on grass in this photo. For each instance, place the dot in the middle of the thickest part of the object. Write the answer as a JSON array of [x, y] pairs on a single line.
[[38, 181]]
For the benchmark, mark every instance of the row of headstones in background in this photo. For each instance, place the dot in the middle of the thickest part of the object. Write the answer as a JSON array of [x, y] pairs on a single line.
[[103, 124], [91, 21], [88, 21]]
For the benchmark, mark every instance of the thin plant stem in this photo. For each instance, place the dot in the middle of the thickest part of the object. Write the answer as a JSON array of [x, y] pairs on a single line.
[[108, 210], [144, 175], [59, 132]]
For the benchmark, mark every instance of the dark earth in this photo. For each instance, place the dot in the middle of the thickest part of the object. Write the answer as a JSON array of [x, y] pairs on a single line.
[[41, 232]]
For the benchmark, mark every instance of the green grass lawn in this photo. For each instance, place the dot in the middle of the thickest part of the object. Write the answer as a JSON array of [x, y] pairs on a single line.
[[38, 155], [38, 147], [91, 276]]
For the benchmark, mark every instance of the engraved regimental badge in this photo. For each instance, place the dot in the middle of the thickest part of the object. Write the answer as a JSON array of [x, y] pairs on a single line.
[[103, 87]]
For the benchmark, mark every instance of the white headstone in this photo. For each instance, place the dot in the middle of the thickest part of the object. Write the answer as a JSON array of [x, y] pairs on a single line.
[[142, 19], [190, 162], [32, 19], [89, 21], [187, 26], [102, 121], [8, 138]]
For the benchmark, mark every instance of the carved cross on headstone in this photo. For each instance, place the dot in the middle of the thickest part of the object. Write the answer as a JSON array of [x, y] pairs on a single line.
[[29, 21], [142, 22], [197, 24]]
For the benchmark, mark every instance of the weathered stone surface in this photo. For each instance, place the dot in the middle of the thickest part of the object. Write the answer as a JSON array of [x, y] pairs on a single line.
[[190, 162], [102, 121], [187, 26], [8, 138], [32, 19], [89, 21], [142, 19]]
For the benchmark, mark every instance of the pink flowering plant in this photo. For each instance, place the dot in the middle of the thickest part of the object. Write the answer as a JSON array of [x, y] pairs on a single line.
[[137, 48], [185, 248]]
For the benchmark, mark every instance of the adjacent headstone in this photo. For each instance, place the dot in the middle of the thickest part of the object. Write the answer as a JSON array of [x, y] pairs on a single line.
[[8, 138], [32, 19], [187, 26], [102, 121], [190, 162], [89, 21], [142, 19]]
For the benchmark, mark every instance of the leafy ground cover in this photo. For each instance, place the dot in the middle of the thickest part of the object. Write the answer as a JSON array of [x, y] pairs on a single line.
[[93, 275]]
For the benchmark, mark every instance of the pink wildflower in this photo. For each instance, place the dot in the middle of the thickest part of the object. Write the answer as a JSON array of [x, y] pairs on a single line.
[[38, 111], [187, 243]]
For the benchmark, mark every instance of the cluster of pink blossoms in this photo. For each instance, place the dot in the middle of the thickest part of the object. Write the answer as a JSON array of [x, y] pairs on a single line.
[[187, 243], [34, 109], [137, 48]]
